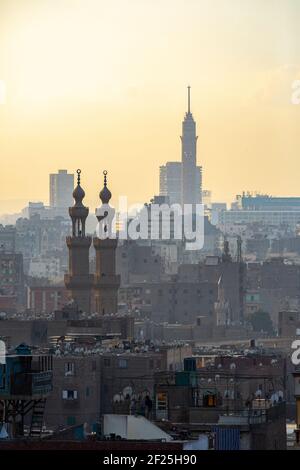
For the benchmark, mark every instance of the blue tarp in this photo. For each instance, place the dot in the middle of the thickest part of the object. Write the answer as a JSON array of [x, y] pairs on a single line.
[[227, 438]]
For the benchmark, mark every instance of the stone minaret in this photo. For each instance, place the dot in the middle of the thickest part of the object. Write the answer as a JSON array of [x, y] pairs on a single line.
[[189, 158], [79, 281], [106, 281]]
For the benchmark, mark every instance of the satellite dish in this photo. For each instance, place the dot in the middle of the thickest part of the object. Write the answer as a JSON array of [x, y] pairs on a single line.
[[145, 393], [117, 398], [127, 391]]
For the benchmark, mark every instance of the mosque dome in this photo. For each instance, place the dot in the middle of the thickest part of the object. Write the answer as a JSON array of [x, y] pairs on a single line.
[[105, 194], [78, 193]]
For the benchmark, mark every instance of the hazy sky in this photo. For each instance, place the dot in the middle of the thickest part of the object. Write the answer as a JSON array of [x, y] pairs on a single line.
[[102, 85]]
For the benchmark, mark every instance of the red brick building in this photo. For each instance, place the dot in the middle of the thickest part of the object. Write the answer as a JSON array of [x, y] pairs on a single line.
[[46, 299]]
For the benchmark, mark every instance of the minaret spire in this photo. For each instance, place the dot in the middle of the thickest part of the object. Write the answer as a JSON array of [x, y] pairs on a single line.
[[78, 176], [191, 178], [189, 99]]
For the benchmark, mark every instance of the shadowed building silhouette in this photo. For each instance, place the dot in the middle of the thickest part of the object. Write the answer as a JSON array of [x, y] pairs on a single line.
[[79, 280]]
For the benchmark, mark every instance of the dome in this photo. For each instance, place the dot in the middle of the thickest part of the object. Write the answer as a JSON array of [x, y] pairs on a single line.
[[105, 194], [78, 193]]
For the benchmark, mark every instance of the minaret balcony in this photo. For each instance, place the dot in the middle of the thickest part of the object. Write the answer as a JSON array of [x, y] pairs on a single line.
[[78, 241], [106, 243], [107, 280], [78, 282]]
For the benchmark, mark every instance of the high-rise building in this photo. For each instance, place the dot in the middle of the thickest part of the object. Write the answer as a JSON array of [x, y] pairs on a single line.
[[12, 291], [79, 281], [170, 181], [198, 184], [182, 181], [61, 188], [7, 238], [191, 181]]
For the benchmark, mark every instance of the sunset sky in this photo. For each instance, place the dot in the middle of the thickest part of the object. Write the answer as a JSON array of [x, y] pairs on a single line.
[[96, 85]]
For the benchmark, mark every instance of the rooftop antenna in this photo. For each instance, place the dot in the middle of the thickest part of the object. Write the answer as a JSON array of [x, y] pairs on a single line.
[[189, 99]]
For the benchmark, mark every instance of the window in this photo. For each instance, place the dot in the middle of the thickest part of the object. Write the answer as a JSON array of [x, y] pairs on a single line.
[[87, 391], [197, 398], [106, 362], [162, 401], [69, 394], [3, 376], [209, 400], [123, 363], [69, 369], [229, 394]]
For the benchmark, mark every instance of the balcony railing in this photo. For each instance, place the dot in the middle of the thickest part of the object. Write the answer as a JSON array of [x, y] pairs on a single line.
[[31, 383]]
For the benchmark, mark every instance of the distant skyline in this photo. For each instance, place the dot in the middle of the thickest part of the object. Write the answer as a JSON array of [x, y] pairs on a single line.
[[102, 85]]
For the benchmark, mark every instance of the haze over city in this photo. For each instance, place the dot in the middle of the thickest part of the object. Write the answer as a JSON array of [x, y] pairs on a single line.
[[104, 84], [149, 231]]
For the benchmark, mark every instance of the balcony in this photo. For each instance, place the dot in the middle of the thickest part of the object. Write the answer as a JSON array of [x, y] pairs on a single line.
[[31, 383]]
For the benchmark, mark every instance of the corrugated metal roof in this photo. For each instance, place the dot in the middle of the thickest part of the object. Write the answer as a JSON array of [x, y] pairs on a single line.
[[227, 438]]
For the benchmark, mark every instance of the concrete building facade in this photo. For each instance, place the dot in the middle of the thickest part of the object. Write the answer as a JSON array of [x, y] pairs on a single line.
[[60, 189]]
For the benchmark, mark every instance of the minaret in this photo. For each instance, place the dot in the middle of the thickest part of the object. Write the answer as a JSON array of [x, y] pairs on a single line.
[[79, 281], [106, 281], [189, 157]]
